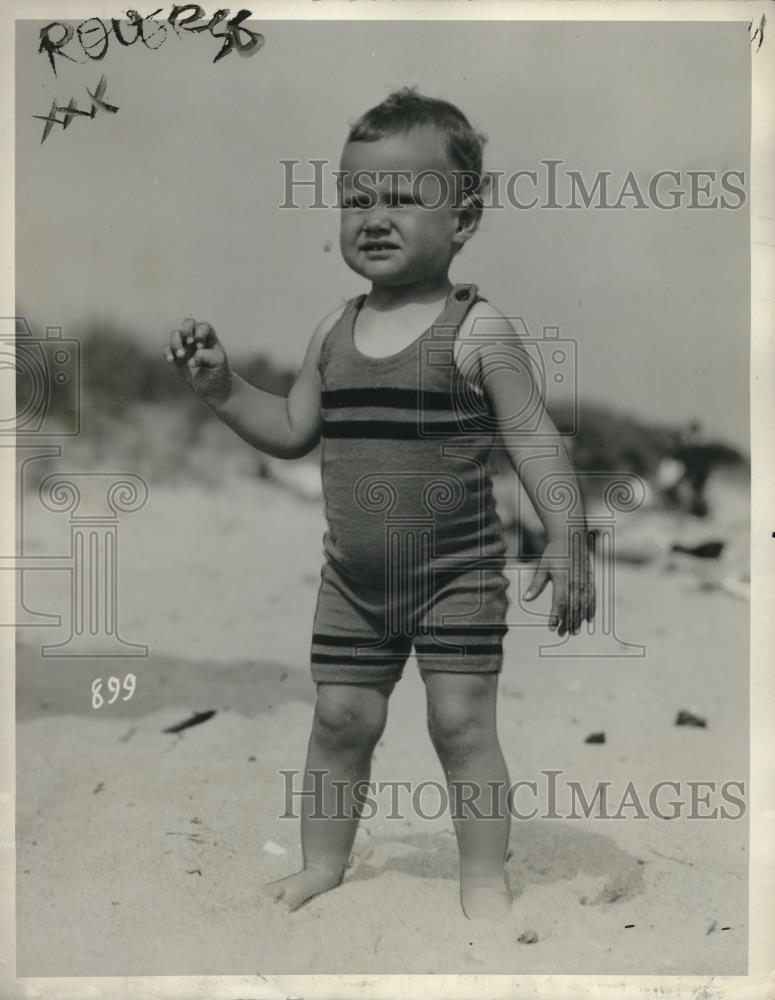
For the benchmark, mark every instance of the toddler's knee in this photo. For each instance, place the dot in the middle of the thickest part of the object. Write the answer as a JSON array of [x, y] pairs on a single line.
[[455, 729], [346, 726]]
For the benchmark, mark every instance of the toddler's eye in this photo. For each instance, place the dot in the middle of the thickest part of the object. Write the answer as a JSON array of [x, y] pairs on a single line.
[[358, 201], [395, 200]]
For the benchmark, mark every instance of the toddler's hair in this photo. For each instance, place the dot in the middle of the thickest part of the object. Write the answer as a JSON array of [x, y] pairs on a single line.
[[406, 109]]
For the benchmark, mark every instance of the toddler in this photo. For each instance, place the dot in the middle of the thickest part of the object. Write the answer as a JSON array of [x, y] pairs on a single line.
[[407, 388]]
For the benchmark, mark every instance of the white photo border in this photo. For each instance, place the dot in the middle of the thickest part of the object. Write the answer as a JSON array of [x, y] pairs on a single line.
[[759, 984]]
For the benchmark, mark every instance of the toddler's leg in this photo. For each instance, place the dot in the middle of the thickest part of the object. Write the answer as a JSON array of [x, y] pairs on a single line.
[[349, 720], [461, 722]]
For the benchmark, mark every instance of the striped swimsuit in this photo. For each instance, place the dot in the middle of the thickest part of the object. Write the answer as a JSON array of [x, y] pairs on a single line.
[[414, 550]]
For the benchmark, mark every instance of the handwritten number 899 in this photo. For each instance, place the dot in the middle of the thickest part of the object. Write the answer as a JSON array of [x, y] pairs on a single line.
[[114, 686]]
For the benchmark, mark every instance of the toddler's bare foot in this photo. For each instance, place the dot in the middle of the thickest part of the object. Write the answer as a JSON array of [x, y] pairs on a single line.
[[485, 898], [294, 890]]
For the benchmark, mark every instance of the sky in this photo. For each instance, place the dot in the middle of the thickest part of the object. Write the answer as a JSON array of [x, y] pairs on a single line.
[[170, 207]]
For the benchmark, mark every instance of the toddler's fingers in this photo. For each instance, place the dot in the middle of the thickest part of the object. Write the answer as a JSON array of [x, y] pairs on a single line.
[[589, 599], [571, 612], [178, 347], [204, 358], [537, 584], [204, 335], [562, 595], [187, 328], [591, 589], [591, 602], [578, 613], [579, 582], [558, 614], [579, 608]]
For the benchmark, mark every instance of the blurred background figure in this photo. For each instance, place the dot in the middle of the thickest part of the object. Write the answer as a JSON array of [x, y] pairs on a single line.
[[683, 473]]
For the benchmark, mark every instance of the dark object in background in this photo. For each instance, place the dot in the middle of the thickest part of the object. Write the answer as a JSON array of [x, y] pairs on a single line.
[[195, 720], [699, 457], [708, 550], [595, 738], [685, 718]]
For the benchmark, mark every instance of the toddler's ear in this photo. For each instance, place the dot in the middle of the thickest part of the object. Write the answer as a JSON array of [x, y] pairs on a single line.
[[467, 219], [465, 215]]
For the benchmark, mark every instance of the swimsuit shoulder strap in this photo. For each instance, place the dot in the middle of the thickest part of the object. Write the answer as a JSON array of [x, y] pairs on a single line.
[[339, 331], [459, 301]]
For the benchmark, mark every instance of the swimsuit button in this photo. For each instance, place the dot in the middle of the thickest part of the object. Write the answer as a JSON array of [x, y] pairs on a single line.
[[462, 294]]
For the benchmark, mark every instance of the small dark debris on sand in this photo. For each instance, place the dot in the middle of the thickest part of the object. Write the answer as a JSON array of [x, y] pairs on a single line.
[[193, 871], [527, 937], [195, 720], [99, 787], [628, 926], [595, 738], [685, 718], [711, 928]]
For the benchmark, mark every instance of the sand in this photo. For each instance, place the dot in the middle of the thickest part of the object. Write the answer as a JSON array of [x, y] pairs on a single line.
[[142, 852]]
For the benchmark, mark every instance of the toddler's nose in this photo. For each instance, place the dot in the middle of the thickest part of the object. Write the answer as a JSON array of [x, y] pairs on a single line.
[[377, 220]]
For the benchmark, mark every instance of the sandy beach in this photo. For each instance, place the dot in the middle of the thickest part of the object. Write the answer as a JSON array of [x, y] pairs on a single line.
[[142, 852]]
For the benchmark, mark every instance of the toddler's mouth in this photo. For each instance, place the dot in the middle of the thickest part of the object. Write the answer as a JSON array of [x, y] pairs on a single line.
[[378, 245]]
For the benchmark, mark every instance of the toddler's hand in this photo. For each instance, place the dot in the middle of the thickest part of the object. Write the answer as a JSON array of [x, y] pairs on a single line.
[[201, 360], [573, 582]]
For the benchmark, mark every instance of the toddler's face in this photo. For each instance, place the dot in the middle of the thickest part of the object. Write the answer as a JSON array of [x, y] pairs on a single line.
[[399, 224]]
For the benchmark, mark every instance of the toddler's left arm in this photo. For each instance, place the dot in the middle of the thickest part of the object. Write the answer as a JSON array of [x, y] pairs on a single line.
[[535, 451]]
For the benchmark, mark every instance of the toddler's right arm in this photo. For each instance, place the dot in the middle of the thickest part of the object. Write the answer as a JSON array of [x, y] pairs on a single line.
[[282, 426]]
